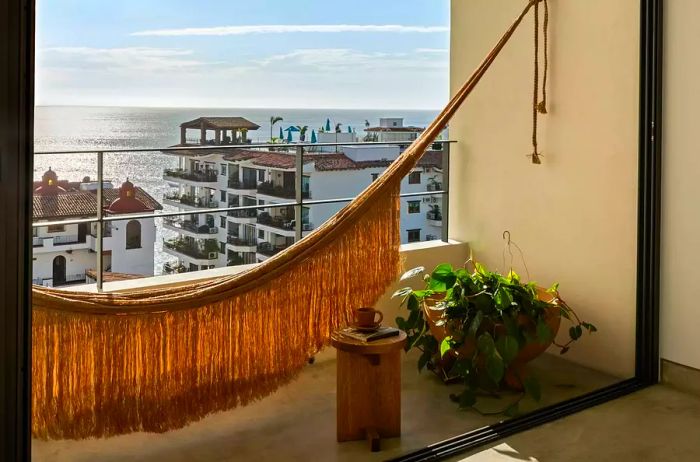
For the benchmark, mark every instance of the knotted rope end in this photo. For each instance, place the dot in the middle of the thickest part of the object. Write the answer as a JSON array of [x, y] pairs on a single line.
[[542, 107]]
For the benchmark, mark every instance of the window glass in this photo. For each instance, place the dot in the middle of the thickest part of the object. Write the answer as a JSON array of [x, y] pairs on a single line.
[[413, 206]]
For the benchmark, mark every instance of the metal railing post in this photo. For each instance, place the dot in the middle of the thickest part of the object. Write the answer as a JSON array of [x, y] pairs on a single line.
[[298, 183], [100, 222], [446, 194]]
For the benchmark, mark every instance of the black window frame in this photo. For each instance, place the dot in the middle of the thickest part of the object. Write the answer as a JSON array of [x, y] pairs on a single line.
[[409, 233], [412, 177], [410, 207]]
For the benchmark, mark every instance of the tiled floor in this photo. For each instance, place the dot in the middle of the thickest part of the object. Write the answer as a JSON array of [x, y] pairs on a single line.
[[297, 423], [658, 424]]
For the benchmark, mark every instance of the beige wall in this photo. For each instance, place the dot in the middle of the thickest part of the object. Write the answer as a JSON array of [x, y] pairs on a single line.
[[680, 246], [575, 215]]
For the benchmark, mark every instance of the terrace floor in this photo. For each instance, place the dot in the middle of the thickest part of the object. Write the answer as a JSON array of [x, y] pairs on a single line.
[[297, 423]]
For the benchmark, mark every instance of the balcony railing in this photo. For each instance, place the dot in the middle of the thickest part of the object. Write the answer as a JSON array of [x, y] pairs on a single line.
[[212, 206], [201, 176], [433, 215], [193, 251], [265, 218], [270, 189], [247, 213], [242, 242], [234, 183], [435, 186], [174, 268], [192, 201], [267, 249], [190, 226]]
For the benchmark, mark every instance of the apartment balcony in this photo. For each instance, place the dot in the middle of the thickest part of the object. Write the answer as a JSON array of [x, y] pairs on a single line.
[[266, 250], [174, 268], [203, 178], [434, 186], [189, 228], [238, 244], [247, 216], [71, 279], [191, 253], [187, 202], [246, 186], [64, 243], [269, 189], [434, 218]]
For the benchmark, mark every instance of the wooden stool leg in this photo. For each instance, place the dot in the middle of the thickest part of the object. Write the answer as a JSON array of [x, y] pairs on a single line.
[[373, 439]]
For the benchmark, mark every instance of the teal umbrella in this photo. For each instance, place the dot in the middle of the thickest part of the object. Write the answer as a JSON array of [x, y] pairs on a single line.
[[281, 134], [313, 136], [289, 136], [328, 125], [349, 129]]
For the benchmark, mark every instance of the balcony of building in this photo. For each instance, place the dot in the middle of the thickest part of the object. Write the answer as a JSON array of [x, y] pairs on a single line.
[[202, 178], [434, 217], [190, 228], [245, 186], [189, 202], [272, 190], [241, 244], [175, 267], [195, 252]]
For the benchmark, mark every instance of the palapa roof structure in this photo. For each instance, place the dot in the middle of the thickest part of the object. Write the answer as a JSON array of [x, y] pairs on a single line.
[[221, 123]]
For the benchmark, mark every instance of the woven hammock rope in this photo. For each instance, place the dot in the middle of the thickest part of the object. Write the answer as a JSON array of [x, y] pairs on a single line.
[[156, 359]]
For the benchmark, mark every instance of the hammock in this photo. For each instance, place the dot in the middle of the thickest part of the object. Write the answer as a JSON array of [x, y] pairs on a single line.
[[157, 359]]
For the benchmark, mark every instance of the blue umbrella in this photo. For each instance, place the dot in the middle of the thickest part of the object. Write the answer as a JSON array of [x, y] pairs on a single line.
[[313, 136], [349, 129], [292, 129], [328, 125], [281, 134], [289, 136]]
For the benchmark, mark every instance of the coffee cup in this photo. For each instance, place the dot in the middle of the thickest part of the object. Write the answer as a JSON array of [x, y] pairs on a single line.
[[367, 317]]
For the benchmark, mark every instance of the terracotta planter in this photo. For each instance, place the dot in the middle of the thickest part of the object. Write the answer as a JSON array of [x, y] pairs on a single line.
[[515, 371]]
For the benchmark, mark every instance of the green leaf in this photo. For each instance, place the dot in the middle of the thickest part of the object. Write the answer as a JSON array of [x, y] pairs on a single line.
[[436, 285], [475, 324], [544, 333], [590, 327], [401, 323], [467, 399], [445, 345], [532, 388], [495, 367], [564, 313], [412, 321], [413, 303], [503, 298], [575, 332], [412, 273], [507, 346], [443, 270], [481, 269], [402, 292], [485, 344], [554, 289]]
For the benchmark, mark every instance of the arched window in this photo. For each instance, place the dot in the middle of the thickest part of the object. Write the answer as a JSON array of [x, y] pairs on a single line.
[[133, 235]]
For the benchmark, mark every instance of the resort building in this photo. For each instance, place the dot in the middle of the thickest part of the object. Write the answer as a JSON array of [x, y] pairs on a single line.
[[244, 177], [66, 254]]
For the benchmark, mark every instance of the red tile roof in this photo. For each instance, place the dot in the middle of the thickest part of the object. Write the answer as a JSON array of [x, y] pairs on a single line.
[[75, 204], [322, 162]]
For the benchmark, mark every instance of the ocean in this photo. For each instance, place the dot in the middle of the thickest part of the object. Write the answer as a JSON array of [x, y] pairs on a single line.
[[66, 128]]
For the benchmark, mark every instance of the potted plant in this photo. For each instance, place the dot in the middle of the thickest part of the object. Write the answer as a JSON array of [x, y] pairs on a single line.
[[481, 328]]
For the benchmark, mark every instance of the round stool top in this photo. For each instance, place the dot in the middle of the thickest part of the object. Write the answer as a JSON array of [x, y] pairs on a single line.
[[376, 347]]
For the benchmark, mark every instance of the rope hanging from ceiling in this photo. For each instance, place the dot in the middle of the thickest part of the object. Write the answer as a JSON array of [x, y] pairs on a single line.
[[157, 359]]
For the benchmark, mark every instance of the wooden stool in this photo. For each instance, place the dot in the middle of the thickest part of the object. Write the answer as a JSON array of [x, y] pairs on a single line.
[[369, 388]]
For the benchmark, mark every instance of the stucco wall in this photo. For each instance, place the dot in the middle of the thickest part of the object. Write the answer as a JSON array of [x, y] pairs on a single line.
[[680, 245], [575, 215]]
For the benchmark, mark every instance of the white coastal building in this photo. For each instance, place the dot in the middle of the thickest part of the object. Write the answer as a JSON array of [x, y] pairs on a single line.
[[66, 254], [392, 130], [256, 178]]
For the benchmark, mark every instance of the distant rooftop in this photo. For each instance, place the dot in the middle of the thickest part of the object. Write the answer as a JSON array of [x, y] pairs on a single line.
[[221, 123]]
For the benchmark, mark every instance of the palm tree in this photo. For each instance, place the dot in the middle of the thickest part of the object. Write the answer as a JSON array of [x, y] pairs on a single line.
[[302, 132], [337, 127], [273, 121], [367, 123]]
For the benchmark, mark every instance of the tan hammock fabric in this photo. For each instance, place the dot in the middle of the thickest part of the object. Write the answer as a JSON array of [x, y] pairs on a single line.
[[157, 359]]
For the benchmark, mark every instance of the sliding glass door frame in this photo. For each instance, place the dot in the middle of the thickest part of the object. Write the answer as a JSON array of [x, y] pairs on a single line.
[[16, 174]]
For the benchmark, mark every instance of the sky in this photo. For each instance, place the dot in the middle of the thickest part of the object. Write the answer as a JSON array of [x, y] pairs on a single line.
[[384, 54]]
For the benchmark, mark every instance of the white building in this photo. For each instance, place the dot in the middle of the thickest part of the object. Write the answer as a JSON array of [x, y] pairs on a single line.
[[245, 177], [63, 254], [392, 130]]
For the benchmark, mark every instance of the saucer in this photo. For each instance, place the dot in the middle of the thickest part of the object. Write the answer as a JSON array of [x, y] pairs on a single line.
[[368, 329]]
